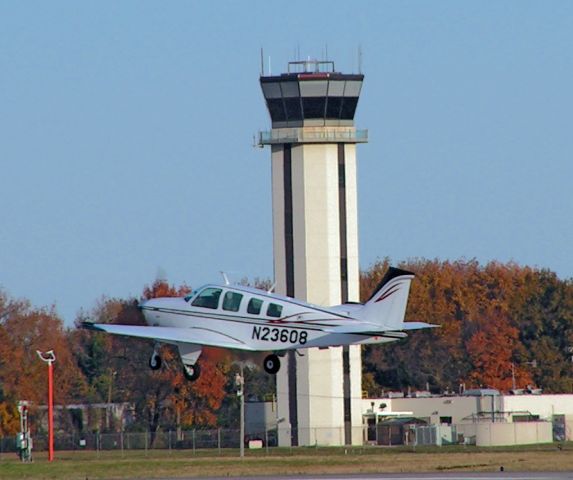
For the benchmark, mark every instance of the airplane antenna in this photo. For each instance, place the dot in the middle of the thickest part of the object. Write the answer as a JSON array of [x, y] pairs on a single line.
[[262, 63], [225, 278], [271, 290]]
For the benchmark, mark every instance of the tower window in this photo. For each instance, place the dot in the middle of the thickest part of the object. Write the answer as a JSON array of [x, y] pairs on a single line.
[[314, 107]]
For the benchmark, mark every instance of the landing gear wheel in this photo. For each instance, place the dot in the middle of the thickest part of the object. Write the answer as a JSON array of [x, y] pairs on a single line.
[[191, 372], [272, 364], [155, 361]]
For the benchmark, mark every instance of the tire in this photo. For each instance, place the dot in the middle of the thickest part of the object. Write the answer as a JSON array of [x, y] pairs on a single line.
[[191, 372], [155, 361], [272, 364]]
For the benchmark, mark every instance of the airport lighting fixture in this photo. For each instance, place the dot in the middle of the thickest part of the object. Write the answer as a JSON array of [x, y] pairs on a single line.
[[49, 357]]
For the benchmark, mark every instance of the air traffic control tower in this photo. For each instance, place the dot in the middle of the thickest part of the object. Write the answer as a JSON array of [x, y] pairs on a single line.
[[315, 229]]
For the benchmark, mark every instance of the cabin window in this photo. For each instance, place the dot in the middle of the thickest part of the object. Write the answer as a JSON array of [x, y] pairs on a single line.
[[232, 301], [274, 310], [254, 306], [208, 298]]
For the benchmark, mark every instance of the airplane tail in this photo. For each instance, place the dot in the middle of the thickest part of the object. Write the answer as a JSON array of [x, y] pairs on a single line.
[[387, 305]]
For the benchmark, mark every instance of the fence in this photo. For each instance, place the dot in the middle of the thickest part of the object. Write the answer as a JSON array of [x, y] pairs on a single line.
[[191, 439], [219, 439], [211, 439]]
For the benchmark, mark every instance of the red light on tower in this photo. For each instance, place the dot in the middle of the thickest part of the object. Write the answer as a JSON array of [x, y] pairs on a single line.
[[49, 357]]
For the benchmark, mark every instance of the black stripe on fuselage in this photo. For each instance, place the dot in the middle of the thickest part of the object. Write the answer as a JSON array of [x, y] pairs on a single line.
[[237, 319]]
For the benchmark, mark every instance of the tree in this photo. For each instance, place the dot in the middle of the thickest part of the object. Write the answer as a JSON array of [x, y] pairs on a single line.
[[23, 376], [491, 350], [162, 398], [474, 305]]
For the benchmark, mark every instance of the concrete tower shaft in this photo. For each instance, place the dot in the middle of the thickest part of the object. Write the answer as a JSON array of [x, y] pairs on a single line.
[[313, 144]]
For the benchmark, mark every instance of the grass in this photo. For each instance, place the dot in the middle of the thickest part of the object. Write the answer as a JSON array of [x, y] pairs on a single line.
[[82, 465]]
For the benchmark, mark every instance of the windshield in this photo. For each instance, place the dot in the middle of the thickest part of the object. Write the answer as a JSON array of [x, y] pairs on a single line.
[[191, 295]]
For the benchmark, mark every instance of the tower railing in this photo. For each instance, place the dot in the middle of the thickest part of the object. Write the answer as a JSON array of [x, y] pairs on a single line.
[[303, 135]]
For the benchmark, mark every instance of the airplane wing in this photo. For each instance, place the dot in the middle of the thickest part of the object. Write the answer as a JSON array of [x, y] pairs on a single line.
[[197, 336]]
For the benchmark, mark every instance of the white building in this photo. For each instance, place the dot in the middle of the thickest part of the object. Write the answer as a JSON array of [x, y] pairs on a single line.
[[487, 418]]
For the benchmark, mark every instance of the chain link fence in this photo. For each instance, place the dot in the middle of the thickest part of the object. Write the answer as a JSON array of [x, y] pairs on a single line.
[[216, 440]]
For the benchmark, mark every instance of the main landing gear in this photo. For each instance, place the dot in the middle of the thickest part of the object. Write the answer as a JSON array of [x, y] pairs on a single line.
[[191, 372], [272, 364]]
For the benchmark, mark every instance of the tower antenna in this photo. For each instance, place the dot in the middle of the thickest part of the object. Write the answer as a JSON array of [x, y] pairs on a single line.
[[262, 63]]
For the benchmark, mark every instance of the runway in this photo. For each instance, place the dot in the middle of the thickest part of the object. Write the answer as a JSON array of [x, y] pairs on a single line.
[[411, 476]]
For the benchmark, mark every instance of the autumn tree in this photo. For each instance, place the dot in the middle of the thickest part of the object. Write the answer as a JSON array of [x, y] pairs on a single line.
[[474, 305], [118, 368], [23, 376], [491, 350]]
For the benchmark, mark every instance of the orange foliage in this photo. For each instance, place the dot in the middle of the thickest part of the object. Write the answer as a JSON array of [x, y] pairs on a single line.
[[9, 419], [161, 288], [490, 316], [24, 375], [491, 349]]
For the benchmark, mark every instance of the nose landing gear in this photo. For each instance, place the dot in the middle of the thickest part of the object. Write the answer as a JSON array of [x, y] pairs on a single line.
[[155, 361]]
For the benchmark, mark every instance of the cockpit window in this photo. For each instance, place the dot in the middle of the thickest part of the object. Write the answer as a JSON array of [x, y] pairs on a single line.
[[208, 298], [274, 310], [190, 295], [232, 301], [254, 306]]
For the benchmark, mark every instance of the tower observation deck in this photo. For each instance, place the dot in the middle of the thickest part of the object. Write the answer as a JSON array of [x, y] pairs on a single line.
[[315, 240], [311, 94]]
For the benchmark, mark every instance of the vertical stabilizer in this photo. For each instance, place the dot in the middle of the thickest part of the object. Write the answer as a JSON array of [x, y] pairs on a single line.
[[387, 305]]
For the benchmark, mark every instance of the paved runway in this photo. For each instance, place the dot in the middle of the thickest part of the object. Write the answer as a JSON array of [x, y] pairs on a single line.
[[415, 476]]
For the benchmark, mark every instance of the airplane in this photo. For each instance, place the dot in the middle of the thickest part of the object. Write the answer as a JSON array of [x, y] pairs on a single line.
[[244, 318]]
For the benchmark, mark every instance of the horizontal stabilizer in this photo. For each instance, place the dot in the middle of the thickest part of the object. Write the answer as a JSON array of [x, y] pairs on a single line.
[[369, 328], [173, 335], [416, 326]]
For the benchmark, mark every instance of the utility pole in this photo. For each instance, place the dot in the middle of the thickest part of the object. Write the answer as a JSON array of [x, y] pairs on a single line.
[[49, 357], [112, 374], [240, 383]]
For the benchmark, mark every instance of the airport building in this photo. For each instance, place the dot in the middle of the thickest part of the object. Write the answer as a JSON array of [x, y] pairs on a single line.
[[478, 417]]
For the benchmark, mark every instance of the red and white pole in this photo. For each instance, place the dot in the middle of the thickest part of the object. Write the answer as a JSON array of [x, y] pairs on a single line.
[[49, 357]]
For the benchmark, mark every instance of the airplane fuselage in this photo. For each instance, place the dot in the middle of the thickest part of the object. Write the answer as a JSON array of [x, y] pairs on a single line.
[[255, 321]]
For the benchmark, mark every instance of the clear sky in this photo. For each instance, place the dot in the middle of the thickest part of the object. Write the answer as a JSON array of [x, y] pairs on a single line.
[[126, 134]]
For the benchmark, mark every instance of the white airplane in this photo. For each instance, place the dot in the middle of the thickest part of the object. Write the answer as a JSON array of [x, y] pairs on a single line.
[[249, 319]]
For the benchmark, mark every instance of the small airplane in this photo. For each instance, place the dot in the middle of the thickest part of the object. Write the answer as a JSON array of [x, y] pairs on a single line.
[[244, 318]]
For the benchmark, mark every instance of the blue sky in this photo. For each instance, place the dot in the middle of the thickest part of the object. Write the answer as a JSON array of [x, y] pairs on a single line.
[[126, 136]]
